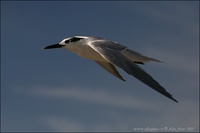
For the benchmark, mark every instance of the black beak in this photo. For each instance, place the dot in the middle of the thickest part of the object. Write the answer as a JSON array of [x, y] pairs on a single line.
[[53, 46]]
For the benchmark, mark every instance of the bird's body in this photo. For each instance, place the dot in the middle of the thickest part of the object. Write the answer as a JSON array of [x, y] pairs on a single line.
[[84, 51], [109, 54]]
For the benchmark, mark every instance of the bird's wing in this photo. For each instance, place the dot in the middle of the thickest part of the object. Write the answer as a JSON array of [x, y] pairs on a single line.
[[110, 68], [114, 55]]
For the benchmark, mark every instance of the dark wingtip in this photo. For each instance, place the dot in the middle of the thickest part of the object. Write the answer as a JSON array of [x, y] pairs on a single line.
[[137, 62], [122, 79], [174, 99]]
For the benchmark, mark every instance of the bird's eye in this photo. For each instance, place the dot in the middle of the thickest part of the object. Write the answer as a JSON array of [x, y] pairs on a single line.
[[67, 41]]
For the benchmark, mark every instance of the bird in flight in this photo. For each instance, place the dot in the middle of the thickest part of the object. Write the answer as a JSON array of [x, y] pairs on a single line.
[[109, 54]]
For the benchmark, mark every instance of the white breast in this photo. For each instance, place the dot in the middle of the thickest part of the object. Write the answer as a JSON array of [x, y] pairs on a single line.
[[84, 51]]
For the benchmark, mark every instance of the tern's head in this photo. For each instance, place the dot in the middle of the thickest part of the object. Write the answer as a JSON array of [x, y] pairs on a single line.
[[67, 42]]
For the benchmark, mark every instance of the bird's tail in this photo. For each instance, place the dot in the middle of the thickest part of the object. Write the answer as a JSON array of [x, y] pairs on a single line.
[[137, 57]]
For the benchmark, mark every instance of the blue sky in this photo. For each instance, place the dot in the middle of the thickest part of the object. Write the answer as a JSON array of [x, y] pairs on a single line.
[[55, 90]]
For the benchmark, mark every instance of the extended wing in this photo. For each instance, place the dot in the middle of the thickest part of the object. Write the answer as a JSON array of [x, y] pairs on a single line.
[[114, 55], [110, 68]]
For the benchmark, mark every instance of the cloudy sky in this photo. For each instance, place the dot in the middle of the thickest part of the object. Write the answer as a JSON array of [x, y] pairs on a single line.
[[55, 90]]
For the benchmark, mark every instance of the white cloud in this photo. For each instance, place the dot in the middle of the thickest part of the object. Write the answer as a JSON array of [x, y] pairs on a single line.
[[147, 114], [175, 117], [62, 124], [99, 96]]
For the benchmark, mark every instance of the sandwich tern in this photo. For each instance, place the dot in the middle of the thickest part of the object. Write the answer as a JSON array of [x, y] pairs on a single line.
[[109, 54]]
